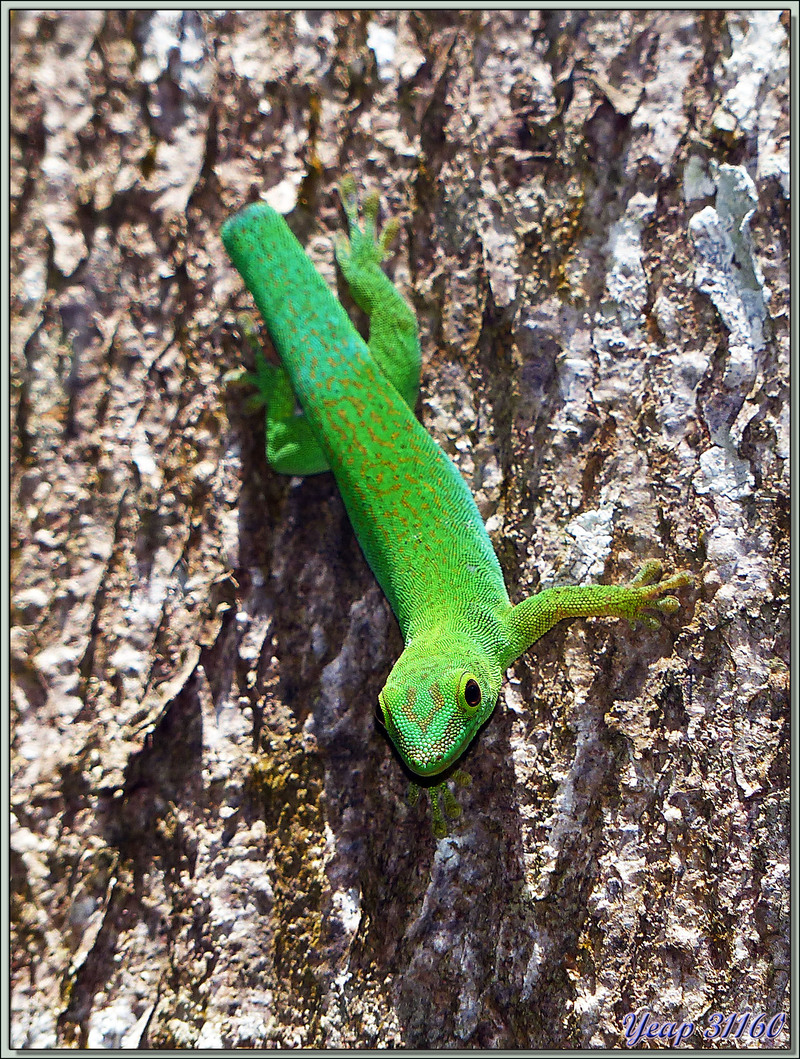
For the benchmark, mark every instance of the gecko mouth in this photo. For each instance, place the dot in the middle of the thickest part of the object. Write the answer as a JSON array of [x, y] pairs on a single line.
[[422, 761], [380, 711]]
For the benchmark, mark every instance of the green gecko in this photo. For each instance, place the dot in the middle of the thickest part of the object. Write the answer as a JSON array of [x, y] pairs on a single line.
[[413, 514]]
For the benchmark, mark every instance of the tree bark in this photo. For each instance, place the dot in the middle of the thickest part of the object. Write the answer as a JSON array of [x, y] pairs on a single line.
[[211, 841]]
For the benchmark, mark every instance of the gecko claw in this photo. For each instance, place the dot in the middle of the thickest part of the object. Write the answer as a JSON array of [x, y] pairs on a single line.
[[649, 573], [347, 189], [668, 605], [370, 211], [388, 235], [441, 797]]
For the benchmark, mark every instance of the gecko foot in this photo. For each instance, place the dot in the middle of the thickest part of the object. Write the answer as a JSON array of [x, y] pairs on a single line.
[[365, 246], [648, 590], [264, 376], [440, 796]]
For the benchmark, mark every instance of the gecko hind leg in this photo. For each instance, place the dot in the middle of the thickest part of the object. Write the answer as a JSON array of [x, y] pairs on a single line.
[[393, 339], [290, 443]]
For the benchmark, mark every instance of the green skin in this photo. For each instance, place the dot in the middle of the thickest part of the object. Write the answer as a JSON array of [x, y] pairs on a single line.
[[412, 512]]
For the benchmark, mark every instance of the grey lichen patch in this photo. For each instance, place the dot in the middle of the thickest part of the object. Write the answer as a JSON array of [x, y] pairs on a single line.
[[618, 332], [64, 84], [697, 184], [723, 473], [175, 41], [626, 282], [728, 272], [590, 536], [754, 86]]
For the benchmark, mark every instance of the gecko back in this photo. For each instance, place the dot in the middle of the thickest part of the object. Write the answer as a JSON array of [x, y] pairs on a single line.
[[412, 512]]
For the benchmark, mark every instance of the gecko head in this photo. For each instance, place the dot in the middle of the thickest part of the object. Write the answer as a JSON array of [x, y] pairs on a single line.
[[440, 692]]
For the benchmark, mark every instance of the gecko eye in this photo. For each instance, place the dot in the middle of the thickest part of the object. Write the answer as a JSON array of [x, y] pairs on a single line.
[[472, 693], [469, 694]]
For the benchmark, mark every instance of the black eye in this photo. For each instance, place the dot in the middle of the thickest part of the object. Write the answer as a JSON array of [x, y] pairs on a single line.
[[472, 693]]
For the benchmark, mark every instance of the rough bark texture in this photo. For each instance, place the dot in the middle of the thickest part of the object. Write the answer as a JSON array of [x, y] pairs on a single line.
[[211, 842]]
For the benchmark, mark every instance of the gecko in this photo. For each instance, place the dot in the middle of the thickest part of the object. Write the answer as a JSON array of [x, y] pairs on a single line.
[[412, 511]]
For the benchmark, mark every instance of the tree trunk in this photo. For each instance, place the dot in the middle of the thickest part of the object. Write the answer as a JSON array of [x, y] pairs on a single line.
[[212, 843]]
